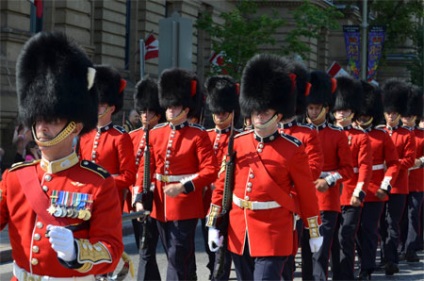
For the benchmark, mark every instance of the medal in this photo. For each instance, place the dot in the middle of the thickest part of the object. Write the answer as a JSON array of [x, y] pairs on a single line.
[[52, 207], [88, 207]]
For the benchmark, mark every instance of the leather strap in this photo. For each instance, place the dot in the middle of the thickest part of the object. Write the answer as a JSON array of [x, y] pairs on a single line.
[[36, 197]]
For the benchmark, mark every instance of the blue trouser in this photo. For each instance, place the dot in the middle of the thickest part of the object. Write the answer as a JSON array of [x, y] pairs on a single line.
[[178, 241], [415, 202], [367, 238], [147, 266]]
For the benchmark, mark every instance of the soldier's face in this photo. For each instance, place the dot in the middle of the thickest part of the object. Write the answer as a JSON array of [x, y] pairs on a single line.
[[46, 131], [392, 118], [314, 110], [146, 116], [408, 121], [176, 113]]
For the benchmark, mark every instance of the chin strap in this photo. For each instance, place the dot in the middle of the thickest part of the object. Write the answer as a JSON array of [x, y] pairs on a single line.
[[177, 118], [366, 124], [60, 137], [272, 121], [103, 114], [319, 119], [225, 122]]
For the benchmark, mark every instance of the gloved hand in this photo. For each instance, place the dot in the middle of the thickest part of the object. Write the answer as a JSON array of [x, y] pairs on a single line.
[[214, 240], [62, 241], [315, 243]]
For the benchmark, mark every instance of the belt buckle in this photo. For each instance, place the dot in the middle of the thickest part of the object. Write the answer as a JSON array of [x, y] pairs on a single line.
[[245, 204], [165, 178], [29, 277]]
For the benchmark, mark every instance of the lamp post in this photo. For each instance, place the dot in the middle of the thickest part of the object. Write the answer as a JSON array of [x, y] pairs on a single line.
[[364, 49]]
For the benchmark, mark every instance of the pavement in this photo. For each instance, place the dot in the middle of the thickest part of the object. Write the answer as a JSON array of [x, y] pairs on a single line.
[[408, 271]]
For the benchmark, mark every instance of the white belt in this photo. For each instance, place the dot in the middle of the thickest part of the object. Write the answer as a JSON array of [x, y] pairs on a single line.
[[178, 178], [374, 168], [255, 205], [23, 275]]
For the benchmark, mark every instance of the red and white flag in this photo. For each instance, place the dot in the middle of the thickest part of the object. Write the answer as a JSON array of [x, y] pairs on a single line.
[[38, 7], [151, 47], [336, 70], [217, 58]]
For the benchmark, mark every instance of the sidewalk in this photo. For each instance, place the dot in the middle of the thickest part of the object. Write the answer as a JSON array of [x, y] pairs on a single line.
[[5, 249]]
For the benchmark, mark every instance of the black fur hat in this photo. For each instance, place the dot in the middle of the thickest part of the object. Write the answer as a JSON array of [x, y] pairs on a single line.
[[110, 86], [303, 86], [349, 94], [395, 96], [146, 96], [268, 83], [223, 95], [372, 103], [54, 79], [179, 86], [322, 88], [415, 102]]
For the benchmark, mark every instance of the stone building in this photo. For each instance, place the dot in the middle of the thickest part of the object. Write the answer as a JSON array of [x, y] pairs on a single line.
[[110, 31]]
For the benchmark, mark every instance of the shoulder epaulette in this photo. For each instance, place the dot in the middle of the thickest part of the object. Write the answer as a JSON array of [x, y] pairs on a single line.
[[306, 125], [160, 125], [380, 126], [197, 126], [331, 126], [136, 130], [359, 129], [19, 165], [380, 129], [94, 168], [291, 139], [243, 133], [119, 129], [408, 128], [210, 130]]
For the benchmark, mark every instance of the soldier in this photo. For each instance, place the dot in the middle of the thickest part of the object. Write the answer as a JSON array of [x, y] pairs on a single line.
[[395, 96], [348, 98], [110, 145], [307, 134], [337, 167], [222, 99], [182, 163], [63, 214], [146, 102], [384, 172], [267, 164], [416, 175]]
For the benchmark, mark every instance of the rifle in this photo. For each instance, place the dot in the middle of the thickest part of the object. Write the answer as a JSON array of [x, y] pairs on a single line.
[[147, 195], [226, 203]]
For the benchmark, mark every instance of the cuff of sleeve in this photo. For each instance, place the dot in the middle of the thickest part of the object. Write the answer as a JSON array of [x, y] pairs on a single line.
[[213, 215], [313, 225], [385, 184], [422, 161], [138, 198], [71, 264], [331, 179], [358, 192], [188, 187]]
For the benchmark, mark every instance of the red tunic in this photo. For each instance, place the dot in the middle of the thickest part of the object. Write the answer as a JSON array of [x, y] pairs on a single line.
[[360, 147], [31, 249], [416, 176], [309, 137], [111, 148], [383, 154], [264, 175], [404, 142], [337, 158], [180, 151]]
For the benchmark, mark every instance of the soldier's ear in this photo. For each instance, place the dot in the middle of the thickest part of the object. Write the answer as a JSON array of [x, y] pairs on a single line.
[[279, 117], [78, 128]]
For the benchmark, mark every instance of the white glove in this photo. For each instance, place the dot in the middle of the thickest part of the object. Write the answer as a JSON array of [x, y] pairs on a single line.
[[214, 240], [62, 241], [315, 243]]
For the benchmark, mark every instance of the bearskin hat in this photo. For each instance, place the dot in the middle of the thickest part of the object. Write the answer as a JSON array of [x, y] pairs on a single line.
[[146, 96], [395, 96], [268, 83], [110, 86], [372, 103], [303, 86], [414, 106], [322, 88], [223, 95], [348, 95], [54, 79], [179, 86]]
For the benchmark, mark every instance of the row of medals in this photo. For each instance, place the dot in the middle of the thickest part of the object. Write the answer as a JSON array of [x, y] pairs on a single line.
[[61, 212]]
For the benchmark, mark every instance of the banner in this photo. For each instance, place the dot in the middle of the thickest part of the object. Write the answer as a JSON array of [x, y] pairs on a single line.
[[376, 36], [352, 37], [336, 70]]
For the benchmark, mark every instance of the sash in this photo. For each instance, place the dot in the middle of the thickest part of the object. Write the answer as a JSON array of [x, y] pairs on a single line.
[[281, 197], [36, 197]]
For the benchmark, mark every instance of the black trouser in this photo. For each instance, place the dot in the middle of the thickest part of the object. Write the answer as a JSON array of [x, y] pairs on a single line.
[[290, 266], [147, 266], [415, 202], [178, 241], [257, 268], [367, 238], [315, 266], [390, 227]]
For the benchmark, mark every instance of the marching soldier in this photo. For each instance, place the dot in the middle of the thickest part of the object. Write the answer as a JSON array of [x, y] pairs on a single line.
[[267, 164], [348, 99], [63, 213], [146, 101], [337, 167], [222, 99], [384, 172], [416, 174], [395, 96], [307, 134], [110, 145], [182, 163]]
